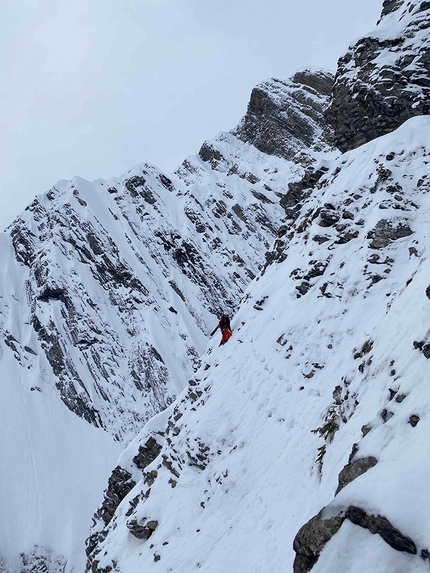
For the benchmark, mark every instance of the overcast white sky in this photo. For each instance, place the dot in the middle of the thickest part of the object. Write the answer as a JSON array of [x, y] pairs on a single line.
[[92, 87]]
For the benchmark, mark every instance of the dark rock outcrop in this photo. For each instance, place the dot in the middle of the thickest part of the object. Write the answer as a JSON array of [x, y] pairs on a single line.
[[371, 96], [381, 526], [353, 470], [413, 420], [390, 6], [142, 530], [119, 485], [423, 346], [147, 453], [300, 190], [210, 154], [311, 540], [285, 117], [317, 532], [387, 231]]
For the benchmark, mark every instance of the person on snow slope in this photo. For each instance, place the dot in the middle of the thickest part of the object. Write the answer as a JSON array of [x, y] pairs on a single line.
[[224, 326]]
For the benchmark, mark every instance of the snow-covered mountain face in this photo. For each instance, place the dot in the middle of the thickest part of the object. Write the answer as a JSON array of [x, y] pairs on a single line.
[[108, 294], [125, 278], [301, 445], [286, 117], [383, 79], [316, 408]]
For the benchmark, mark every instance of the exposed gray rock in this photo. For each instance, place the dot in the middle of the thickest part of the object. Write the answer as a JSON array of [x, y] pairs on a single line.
[[210, 154], [320, 239], [119, 485], [423, 346], [147, 453], [390, 6], [382, 527], [353, 470], [328, 218], [150, 477], [365, 429], [142, 530], [387, 231], [320, 81], [311, 540], [386, 415], [300, 190], [317, 532], [285, 117], [374, 95], [303, 288]]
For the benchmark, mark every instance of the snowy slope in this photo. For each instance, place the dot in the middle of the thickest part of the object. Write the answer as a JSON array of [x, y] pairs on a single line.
[[54, 464], [301, 444], [126, 277], [311, 380]]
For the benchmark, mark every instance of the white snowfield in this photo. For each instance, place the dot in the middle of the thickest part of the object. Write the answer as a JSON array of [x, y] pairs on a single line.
[[264, 393], [54, 464]]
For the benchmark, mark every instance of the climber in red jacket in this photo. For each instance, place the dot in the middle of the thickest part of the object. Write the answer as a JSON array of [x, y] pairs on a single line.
[[224, 326]]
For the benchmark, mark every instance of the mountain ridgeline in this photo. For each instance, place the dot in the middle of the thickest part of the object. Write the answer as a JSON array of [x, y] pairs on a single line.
[[301, 444]]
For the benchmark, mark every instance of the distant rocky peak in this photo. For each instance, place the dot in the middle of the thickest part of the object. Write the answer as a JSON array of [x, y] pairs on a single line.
[[286, 117]]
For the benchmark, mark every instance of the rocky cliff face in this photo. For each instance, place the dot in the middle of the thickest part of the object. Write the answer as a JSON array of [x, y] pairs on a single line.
[[306, 430], [286, 117], [383, 79], [125, 278]]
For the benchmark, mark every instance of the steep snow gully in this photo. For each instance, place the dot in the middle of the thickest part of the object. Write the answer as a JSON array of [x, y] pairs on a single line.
[[302, 444]]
